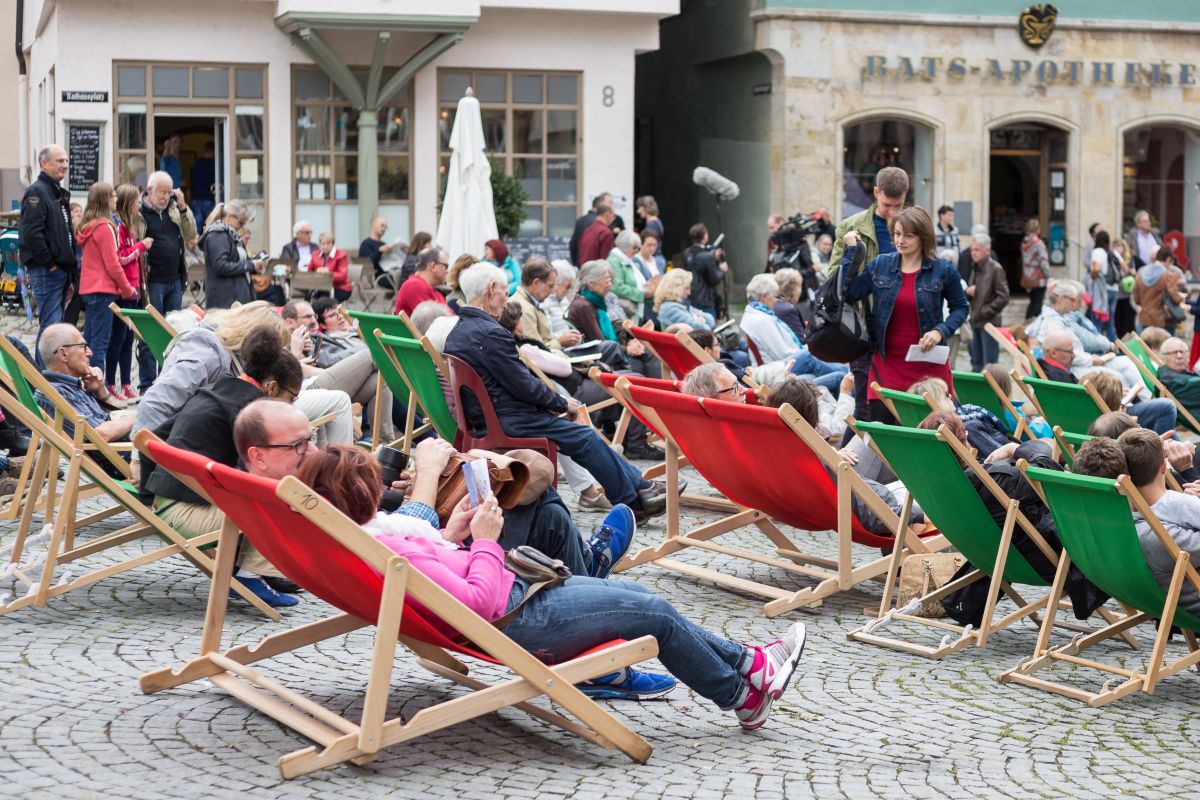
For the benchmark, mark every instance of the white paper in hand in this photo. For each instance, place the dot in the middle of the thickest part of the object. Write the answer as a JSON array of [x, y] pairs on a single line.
[[938, 354], [479, 484]]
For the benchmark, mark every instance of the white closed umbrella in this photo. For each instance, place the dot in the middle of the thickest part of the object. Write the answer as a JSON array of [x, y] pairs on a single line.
[[468, 218]]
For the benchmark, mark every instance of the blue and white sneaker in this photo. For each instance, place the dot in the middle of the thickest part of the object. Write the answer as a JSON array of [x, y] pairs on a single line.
[[610, 541], [628, 684], [264, 592]]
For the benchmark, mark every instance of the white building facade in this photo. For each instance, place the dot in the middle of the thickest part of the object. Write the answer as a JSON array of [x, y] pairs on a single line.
[[283, 89]]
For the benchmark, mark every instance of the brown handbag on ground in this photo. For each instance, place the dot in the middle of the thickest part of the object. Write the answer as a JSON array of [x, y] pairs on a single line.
[[508, 478], [922, 574]]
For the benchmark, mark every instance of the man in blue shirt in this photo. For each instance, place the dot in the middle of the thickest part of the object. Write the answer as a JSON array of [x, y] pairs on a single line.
[[66, 355], [170, 162], [203, 179]]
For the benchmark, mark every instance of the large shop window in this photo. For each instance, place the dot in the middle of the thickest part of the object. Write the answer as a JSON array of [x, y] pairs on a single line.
[[531, 126], [872, 145], [1161, 176], [221, 104], [325, 144]]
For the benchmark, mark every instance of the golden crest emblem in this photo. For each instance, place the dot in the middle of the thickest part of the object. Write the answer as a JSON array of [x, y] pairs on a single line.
[[1036, 23]]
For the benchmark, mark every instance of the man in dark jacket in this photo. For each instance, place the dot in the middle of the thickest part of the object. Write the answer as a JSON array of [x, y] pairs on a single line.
[[46, 242], [169, 222], [525, 406], [708, 269], [988, 293]]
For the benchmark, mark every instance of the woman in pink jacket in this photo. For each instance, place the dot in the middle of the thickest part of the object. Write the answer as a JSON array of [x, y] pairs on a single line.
[[101, 279], [129, 254], [559, 623], [336, 262]]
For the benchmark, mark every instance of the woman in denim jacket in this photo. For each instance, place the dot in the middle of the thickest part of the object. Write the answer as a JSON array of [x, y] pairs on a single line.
[[907, 288]]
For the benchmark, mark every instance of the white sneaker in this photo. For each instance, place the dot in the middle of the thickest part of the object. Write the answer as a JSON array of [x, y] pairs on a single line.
[[781, 659]]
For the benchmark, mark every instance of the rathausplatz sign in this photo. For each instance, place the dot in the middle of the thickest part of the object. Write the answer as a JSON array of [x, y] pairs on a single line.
[[1023, 70]]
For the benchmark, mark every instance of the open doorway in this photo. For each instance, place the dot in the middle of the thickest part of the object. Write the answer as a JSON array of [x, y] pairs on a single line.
[[192, 148], [1028, 181]]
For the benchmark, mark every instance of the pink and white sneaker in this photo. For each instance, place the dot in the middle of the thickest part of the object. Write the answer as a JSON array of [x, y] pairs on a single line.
[[774, 665]]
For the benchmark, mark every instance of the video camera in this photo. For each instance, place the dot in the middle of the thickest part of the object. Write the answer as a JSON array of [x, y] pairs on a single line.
[[791, 242]]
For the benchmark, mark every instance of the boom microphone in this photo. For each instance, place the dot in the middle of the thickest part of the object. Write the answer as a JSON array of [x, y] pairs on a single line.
[[715, 183]]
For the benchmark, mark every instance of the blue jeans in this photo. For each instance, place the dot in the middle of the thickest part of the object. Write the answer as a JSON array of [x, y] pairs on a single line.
[[165, 296], [49, 288], [984, 350], [1110, 329], [120, 349], [560, 623], [620, 479], [97, 326], [1157, 415], [817, 371]]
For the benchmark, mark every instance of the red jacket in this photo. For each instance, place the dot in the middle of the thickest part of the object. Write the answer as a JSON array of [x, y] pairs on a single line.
[[338, 264], [129, 253], [595, 243], [101, 272]]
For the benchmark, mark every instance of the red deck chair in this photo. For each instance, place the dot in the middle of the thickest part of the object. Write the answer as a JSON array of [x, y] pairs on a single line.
[[463, 376], [676, 351], [753, 348], [771, 463], [337, 561]]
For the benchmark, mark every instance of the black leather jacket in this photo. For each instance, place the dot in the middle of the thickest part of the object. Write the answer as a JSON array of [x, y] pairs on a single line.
[[45, 228]]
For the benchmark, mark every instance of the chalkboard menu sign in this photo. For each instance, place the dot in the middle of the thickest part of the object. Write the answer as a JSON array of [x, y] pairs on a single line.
[[550, 248], [83, 150]]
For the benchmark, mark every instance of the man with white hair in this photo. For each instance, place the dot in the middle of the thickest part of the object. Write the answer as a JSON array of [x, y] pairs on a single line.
[[778, 342], [525, 406], [1143, 239], [46, 241], [169, 222], [301, 246], [988, 292], [714, 382], [66, 354]]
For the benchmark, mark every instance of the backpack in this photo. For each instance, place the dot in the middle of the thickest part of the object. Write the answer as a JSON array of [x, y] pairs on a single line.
[[837, 333]]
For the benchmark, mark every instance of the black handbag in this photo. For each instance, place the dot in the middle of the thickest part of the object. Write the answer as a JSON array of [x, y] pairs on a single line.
[[837, 333]]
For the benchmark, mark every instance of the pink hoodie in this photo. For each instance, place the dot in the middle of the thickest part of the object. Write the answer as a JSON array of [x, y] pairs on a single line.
[[129, 253], [101, 271], [476, 577]]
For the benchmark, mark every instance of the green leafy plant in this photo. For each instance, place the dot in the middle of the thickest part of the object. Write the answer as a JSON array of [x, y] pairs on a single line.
[[508, 201]]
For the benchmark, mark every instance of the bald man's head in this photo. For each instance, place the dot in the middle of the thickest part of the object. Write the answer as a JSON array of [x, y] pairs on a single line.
[[271, 438], [1059, 347]]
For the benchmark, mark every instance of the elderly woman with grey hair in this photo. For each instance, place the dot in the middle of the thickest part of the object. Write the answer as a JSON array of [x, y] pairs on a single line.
[[588, 312], [776, 341], [630, 286]]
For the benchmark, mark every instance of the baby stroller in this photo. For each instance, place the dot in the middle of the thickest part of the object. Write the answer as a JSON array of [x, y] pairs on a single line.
[[14, 295]]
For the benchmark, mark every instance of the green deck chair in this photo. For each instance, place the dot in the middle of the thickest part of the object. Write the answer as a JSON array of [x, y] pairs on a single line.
[[411, 365], [980, 389], [910, 409], [928, 463], [150, 327], [391, 325], [1071, 406], [1096, 527]]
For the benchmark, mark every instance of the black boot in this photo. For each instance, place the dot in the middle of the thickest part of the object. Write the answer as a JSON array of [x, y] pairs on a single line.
[[12, 439]]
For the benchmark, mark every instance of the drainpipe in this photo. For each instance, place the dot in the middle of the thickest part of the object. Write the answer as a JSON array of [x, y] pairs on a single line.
[[24, 169]]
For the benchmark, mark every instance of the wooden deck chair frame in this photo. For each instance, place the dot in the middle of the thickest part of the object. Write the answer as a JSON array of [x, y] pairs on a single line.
[[62, 548], [159, 354], [889, 397], [341, 739], [1153, 379], [367, 321], [1124, 681], [967, 636], [832, 575], [1021, 359], [627, 416], [1022, 430], [554, 387], [684, 341]]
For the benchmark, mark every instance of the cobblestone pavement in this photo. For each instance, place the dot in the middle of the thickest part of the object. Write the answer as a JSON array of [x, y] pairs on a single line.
[[858, 722]]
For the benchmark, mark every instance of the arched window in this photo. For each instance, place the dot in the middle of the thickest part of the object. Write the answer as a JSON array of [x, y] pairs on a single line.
[[872, 145], [1161, 172]]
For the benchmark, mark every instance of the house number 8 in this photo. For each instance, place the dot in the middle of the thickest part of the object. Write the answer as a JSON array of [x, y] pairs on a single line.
[[607, 96]]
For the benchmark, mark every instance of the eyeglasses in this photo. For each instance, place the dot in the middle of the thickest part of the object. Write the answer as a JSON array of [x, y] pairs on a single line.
[[299, 447], [443, 263], [1165, 353], [84, 345], [737, 388]]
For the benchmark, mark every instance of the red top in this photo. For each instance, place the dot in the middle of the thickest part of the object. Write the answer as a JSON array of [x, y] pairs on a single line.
[[338, 264], [903, 331], [129, 253], [596, 242], [416, 290], [101, 271]]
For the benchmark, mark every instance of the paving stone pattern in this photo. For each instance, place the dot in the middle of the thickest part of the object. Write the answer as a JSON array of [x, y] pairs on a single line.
[[858, 721]]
